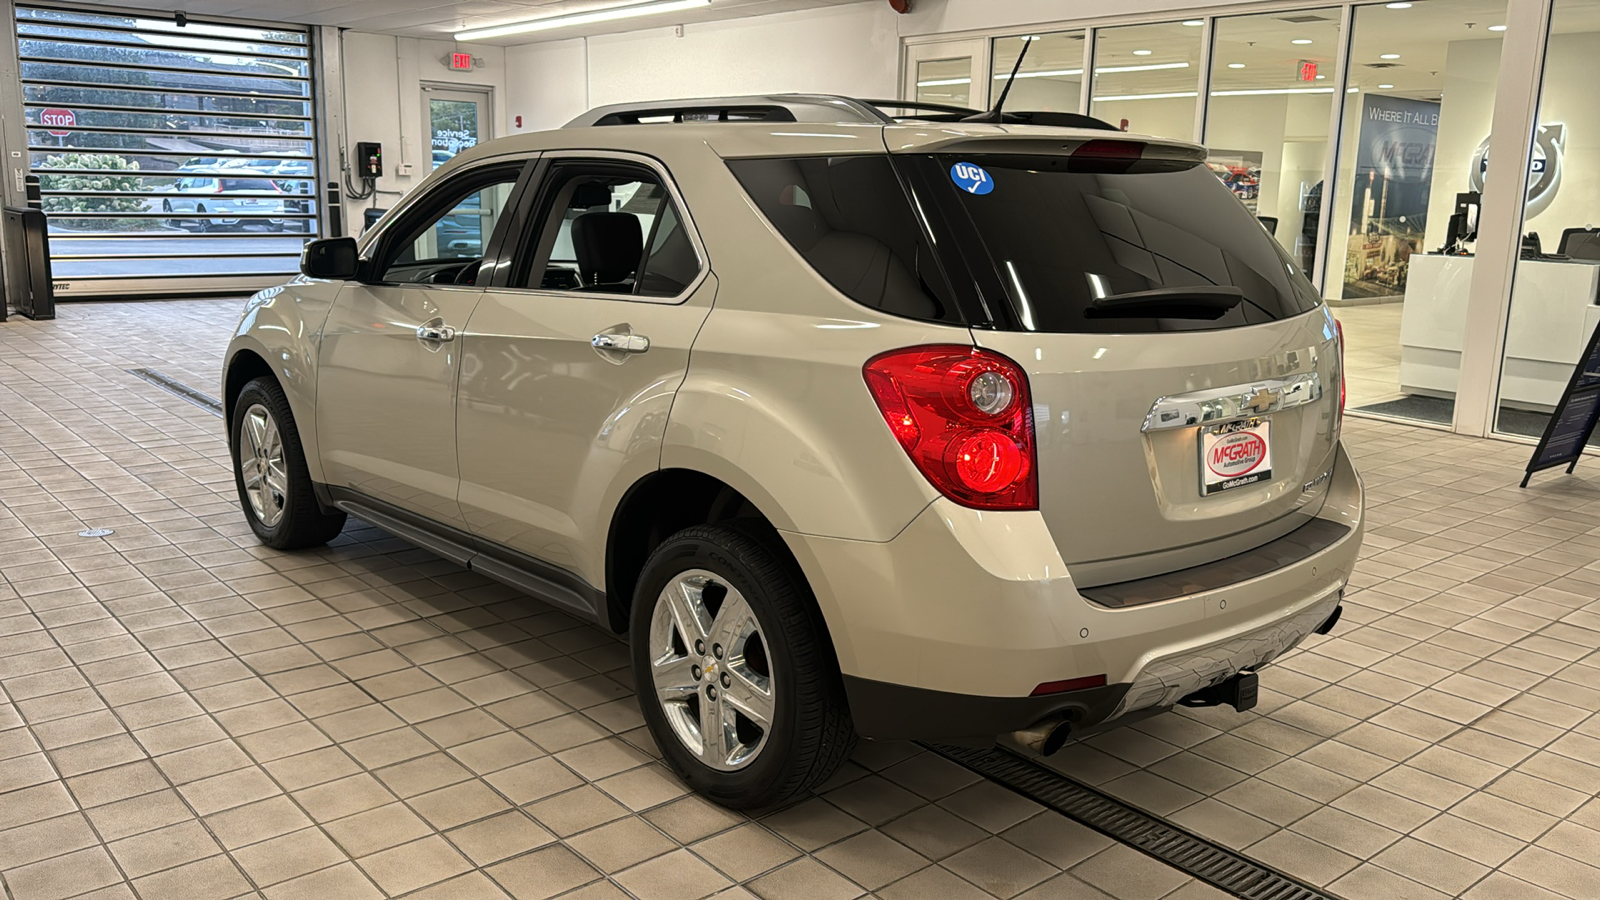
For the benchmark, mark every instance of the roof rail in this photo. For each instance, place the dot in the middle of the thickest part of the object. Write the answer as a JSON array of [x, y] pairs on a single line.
[[815, 108]]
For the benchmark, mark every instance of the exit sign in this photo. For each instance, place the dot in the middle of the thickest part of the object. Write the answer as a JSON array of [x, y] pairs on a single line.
[[461, 62], [1308, 70]]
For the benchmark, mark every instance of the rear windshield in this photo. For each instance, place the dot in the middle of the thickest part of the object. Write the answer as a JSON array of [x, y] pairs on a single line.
[[248, 184], [1055, 239]]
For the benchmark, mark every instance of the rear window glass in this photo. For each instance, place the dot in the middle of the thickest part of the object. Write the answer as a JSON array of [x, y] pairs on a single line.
[[852, 222], [1060, 238], [248, 184]]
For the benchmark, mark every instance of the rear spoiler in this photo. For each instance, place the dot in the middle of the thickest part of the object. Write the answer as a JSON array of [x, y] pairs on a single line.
[[1022, 140]]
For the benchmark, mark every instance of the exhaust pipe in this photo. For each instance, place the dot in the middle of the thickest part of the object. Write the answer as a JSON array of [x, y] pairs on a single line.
[[1045, 736]]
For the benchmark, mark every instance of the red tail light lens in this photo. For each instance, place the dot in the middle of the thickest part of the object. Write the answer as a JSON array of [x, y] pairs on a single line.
[[1338, 423], [963, 416]]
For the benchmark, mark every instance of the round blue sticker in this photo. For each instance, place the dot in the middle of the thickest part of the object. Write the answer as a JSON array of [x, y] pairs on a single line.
[[970, 178]]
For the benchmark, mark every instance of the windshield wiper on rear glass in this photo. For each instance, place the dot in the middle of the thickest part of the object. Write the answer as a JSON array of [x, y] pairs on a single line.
[[1168, 303]]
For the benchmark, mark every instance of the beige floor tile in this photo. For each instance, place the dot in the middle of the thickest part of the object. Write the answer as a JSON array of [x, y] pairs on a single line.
[[499, 837], [543, 873]]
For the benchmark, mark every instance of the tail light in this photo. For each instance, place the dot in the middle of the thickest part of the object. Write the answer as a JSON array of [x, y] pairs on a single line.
[[964, 417], [1338, 422]]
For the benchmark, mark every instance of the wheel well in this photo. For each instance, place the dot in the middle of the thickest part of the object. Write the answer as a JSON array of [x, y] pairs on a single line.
[[245, 368], [655, 508]]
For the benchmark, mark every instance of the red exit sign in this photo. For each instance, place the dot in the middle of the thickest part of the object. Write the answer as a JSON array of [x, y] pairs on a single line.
[[1308, 70], [461, 62]]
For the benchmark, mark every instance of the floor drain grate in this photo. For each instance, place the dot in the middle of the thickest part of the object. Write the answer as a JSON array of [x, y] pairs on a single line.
[[205, 401], [1206, 860]]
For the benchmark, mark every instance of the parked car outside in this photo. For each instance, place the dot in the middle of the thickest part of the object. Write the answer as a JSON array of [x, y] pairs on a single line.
[[225, 197]]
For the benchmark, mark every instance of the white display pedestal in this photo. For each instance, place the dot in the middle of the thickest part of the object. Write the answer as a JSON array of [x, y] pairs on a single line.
[[1553, 312]]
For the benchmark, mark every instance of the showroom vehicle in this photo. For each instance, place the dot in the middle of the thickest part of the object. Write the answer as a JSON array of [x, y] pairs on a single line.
[[906, 428]]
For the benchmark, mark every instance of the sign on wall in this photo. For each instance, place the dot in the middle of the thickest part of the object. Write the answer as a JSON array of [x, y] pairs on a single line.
[[1544, 167], [1389, 207]]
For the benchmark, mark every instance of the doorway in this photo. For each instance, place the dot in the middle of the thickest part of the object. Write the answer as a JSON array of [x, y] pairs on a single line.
[[458, 119]]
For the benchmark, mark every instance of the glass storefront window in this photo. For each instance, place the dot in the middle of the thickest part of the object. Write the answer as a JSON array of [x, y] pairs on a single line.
[[1557, 280], [1419, 100], [1271, 97], [1051, 77], [1146, 77], [947, 81]]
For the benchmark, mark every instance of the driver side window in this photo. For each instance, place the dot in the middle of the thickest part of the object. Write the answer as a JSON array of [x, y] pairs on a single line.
[[444, 243]]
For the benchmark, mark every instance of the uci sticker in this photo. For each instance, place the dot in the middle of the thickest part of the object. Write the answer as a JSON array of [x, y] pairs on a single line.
[[970, 178]]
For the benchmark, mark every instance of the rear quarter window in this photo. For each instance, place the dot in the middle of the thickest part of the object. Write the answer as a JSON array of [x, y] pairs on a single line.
[[849, 217]]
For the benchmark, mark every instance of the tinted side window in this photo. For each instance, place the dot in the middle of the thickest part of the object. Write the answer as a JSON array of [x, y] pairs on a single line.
[[443, 238], [850, 218], [608, 229]]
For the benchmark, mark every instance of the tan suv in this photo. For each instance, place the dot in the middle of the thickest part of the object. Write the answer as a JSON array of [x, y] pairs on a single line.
[[855, 424]]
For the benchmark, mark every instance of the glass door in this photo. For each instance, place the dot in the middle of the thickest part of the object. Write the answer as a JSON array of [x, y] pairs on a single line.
[[947, 73], [457, 121]]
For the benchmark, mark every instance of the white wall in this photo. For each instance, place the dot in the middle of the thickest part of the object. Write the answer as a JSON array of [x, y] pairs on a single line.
[[852, 49], [383, 101]]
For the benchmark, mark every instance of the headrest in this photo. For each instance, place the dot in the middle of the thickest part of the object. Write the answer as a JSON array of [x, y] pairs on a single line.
[[608, 245], [589, 195]]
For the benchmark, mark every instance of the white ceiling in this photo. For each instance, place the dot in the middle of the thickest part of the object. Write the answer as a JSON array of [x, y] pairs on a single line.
[[441, 18]]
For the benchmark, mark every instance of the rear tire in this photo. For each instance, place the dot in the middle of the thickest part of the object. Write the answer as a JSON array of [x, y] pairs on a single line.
[[269, 470], [727, 640]]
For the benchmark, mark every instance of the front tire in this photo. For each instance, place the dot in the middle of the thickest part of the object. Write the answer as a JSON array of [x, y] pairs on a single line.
[[734, 668], [269, 469]]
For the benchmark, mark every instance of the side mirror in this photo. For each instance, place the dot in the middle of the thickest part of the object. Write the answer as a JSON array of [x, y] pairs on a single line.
[[333, 259]]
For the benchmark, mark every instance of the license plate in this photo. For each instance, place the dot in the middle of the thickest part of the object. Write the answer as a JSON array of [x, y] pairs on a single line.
[[1235, 455]]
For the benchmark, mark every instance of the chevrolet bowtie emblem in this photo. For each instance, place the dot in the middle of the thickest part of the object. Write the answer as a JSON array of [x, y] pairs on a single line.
[[1261, 401]]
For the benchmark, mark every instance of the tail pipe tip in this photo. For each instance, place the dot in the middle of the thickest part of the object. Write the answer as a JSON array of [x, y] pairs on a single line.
[[1045, 736]]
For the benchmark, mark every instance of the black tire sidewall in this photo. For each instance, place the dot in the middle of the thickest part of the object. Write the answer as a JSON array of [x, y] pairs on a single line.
[[297, 528], [771, 767]]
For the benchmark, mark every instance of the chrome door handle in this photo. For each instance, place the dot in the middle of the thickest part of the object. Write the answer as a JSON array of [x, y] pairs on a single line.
[[437, 334], [621, 343]]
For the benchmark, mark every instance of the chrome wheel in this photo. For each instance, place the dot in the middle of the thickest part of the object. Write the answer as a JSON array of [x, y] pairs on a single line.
[[711, 669], [262, 466]]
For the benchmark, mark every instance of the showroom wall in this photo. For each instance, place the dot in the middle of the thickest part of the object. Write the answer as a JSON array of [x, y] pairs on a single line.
[[383, 99], [851, 49]]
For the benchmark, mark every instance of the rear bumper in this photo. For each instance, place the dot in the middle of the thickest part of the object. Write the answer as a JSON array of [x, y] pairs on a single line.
[[945, 631]]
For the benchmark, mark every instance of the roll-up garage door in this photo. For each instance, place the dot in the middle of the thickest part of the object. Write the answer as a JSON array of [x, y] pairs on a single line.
[[172, 158]]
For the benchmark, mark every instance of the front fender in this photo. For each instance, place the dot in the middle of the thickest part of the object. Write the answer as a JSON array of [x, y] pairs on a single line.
[[282, 327]]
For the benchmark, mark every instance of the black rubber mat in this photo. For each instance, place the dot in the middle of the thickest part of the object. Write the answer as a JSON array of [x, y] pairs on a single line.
[[1414, 406], [1216, 865]]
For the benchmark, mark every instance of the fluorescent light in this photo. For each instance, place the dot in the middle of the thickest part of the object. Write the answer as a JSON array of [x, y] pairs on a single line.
[[1235, 65], [1257, 92], [1398, 5], [1390, 56], [1301, 41], [1147, 96], [1194, 23], [1385, 86], [944, 82], [1051, 73], [1151, 67], [1321, 77], [1497, 28], [1142, 52], [610, 14]]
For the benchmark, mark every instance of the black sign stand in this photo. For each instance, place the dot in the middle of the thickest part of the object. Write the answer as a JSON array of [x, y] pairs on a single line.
[[1575, 417]]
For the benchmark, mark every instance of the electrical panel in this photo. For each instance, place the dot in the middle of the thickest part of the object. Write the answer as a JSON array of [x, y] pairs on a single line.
[[369, 159]]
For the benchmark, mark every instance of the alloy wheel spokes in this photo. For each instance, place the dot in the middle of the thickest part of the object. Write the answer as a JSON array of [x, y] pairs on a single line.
[[262, 467]]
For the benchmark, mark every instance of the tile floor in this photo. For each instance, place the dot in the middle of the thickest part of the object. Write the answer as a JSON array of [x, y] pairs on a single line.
[[186, 714], [1372, 351]]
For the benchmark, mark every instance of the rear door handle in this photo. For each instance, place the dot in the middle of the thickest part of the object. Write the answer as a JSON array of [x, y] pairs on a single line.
[[621, 343], [435, 334]]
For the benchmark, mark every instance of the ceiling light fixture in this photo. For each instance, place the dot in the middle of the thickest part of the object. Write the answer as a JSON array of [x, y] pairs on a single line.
[[1150, 67], [1235, 65], [1390, 56], [1049, 73], [1142, 52], [1398, 5], [1385, 87], [1497, 28], [1261, 91], [1172, 96], [1301, 41], [1194, 23], [610, 14]]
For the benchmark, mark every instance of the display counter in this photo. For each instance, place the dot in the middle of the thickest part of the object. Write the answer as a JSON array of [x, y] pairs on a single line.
[[1553, 312]]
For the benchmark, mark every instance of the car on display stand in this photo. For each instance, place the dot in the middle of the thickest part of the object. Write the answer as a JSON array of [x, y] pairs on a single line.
[[856, 419]]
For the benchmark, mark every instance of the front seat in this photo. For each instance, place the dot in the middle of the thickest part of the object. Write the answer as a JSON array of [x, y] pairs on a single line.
[[609, 246]]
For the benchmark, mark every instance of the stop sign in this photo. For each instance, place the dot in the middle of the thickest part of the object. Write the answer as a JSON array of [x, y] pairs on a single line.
[[58, 118]]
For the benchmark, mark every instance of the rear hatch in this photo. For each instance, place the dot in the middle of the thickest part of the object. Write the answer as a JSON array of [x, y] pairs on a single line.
[[1184, 374]]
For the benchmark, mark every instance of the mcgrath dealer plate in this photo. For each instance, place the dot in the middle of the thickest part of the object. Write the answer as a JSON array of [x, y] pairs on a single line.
[[1235, 455]]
